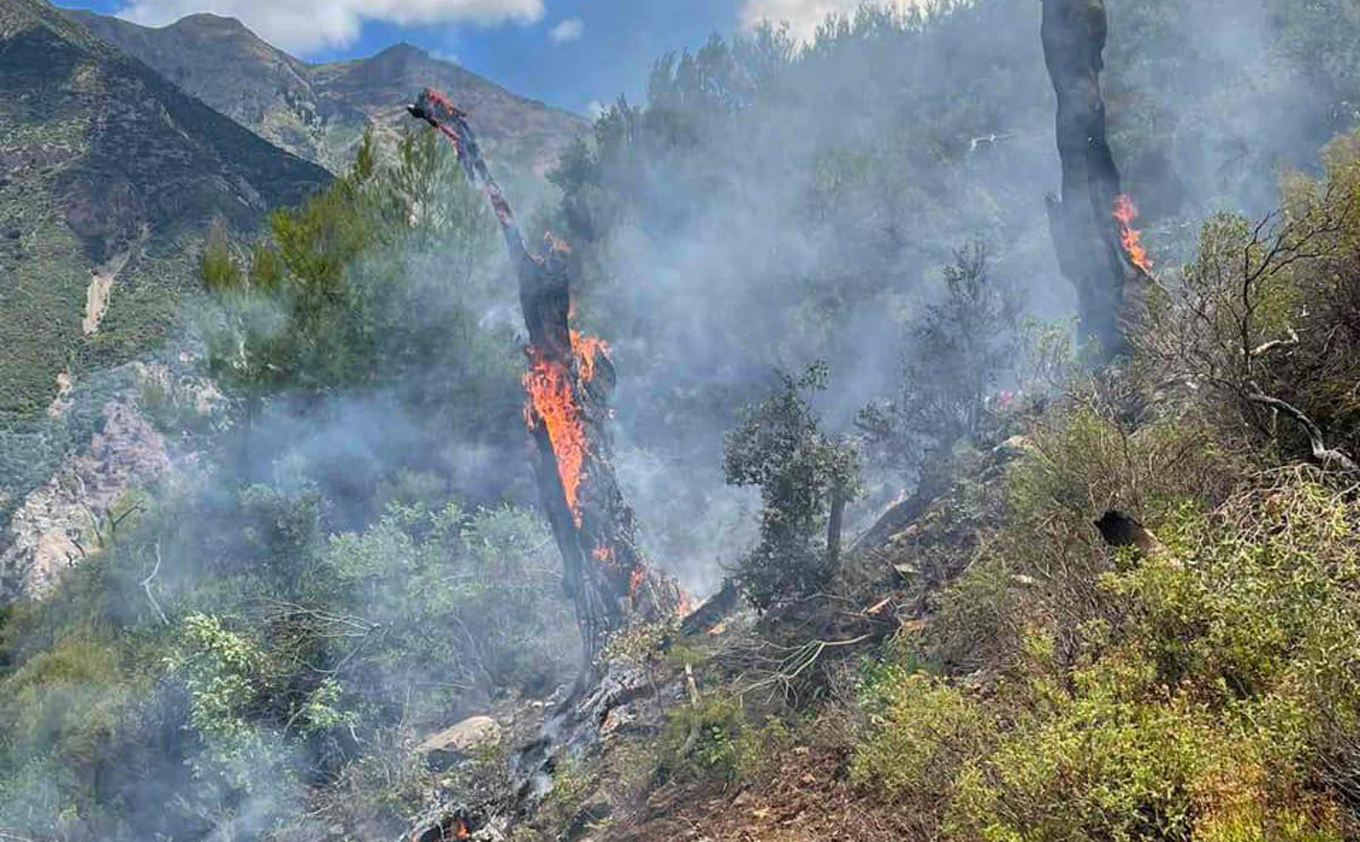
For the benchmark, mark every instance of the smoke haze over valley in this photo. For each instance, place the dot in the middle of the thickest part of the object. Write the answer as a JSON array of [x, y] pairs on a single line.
[[929, 421]]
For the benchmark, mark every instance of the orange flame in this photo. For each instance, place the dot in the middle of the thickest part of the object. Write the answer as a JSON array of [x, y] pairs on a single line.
[[685, 606], [460, 830], [1125, 212], [586, 349], [635, 581], [603, 554], [552, 403]]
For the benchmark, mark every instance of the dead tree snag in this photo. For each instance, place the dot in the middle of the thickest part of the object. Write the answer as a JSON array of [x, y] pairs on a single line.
[[568, 386], [1098, 249]]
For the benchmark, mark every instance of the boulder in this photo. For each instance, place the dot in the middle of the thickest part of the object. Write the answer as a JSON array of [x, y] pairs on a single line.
[[462, 739]]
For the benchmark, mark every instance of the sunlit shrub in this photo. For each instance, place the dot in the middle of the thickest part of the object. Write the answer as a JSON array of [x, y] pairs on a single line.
[[921, 731]]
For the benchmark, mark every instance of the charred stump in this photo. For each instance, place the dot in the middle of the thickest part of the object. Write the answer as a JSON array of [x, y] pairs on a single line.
[[568, 385], [1120, 531], [1091, 224]]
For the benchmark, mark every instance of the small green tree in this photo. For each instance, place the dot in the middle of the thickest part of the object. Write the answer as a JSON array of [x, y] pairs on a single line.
[[337, 295], [954, 360], [805, 478]]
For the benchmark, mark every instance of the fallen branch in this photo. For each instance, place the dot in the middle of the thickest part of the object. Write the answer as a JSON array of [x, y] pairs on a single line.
[[146, 586], [800, 659], [1322, 454], [1266, 347]]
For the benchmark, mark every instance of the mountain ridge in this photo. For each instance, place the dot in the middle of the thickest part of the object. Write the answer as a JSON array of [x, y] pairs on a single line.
[[110, 177], [318, 111]]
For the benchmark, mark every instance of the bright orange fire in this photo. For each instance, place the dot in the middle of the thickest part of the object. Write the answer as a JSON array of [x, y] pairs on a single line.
[[586, 349], [603, 554], [460, 830], [1125, 212], [636, 580], [686, 605], [552, 403]]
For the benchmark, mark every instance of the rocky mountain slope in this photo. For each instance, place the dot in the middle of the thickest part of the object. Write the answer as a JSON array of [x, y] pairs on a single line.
[[105, 168], [318, 111], [110, 177]]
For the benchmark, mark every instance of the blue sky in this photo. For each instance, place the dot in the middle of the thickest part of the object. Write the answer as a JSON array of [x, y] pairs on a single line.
[[569, 53]]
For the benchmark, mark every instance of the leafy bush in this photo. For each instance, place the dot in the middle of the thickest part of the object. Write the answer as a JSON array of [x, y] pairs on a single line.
[[957, 353], [1214, 700], [921, 731], [804, 476]]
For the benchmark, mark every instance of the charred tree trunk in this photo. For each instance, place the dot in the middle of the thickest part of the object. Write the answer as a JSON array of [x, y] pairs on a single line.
[[834, 528], [569, 383], [1119, 530], [1097, 250]]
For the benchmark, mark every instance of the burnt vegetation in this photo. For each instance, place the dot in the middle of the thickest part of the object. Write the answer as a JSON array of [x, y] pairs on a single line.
[[1007, 537]]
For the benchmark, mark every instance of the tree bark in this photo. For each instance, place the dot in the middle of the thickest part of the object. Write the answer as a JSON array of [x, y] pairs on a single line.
[[570, 382], [1086, 234], [834, 527]]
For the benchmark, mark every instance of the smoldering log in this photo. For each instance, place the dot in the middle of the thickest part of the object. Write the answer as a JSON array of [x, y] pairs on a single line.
[[570, 381], [714, 610], [1097, 251]]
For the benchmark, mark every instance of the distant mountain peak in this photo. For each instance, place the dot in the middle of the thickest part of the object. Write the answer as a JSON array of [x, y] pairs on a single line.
[[109, 164], [402, 49], [319, 111], [20, 15], [208, 20]]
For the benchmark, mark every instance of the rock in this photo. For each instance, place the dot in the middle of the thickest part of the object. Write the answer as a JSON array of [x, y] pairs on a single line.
[[1011, 449], [61, 522], [462, 739]]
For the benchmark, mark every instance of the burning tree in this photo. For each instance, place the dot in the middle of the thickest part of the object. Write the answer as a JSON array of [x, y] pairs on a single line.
[[568, 386], [1098, 248]]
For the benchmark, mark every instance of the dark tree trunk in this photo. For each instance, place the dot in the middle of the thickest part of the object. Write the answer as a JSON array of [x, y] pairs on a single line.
[[569, 381], [834, 527], [1086, 234]]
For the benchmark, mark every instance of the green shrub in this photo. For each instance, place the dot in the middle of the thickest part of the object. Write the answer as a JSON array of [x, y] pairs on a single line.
[[1214, 705], [66, 702], [804, 475], [702, 739], [920, 731]]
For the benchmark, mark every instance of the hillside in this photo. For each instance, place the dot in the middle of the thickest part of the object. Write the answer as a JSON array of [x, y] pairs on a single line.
[[108, 176], [806, 333], [318, 111]]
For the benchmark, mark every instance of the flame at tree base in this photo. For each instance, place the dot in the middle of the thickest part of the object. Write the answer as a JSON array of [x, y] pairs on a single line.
[[1125, 212]]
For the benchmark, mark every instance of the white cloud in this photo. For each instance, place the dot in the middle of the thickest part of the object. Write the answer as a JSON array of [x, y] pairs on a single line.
[[596, 109], [304, 26], [802, 16], [570, 29]]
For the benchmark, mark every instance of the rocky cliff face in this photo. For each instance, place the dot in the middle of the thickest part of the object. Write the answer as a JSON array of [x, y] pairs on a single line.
[[318, 112], [78, 509]]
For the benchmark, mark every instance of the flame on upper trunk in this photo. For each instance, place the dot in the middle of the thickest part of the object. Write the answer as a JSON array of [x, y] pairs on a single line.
[[586, 350], [554, 404], [1125, 212]]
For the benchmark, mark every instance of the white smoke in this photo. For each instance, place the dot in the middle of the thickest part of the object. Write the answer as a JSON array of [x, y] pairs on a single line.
[[802, 16]]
